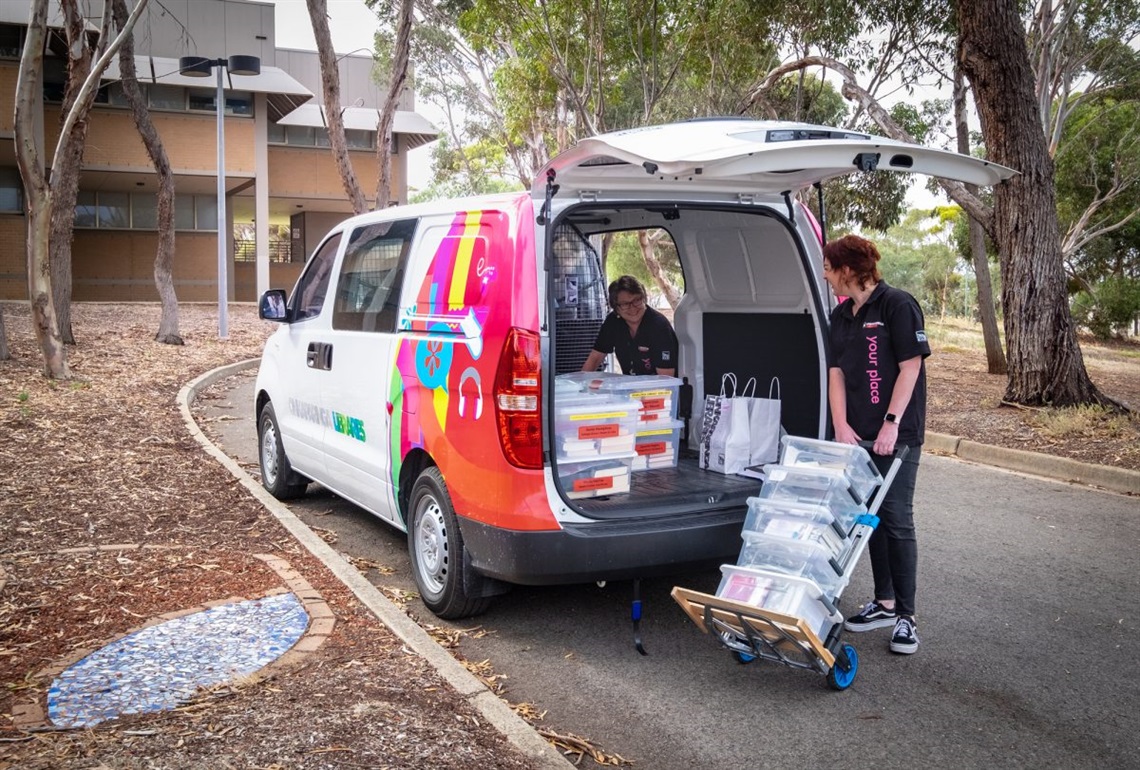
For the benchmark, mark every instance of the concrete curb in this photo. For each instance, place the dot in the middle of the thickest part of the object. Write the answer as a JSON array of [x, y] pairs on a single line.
[[1122, 480], [516, 730]]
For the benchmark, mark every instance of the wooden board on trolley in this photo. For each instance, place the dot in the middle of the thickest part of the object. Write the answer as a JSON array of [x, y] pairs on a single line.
[[729, 612]]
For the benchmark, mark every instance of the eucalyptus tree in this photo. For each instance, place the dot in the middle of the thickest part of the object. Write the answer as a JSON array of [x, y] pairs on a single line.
[[1045, 361], [81, 52], [40, 191], [168, 327], [330, 96]]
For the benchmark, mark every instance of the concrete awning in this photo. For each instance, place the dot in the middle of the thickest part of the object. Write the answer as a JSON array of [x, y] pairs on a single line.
[[414, 128], [283, 93]]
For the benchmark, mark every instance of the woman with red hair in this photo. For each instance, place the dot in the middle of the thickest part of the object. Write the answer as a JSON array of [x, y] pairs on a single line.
[[877, 393]]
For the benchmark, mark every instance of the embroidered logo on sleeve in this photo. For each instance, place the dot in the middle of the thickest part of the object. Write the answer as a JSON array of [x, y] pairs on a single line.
[[664, 355], [920, 335]]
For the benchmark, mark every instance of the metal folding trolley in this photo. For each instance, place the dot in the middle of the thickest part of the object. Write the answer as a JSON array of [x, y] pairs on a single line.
[[803, 538]]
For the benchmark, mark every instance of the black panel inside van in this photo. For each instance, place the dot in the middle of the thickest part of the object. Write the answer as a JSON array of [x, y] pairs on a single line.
[[767, 345]]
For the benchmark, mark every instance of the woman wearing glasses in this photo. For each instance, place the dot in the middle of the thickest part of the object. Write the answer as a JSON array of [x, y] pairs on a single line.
[[643, 339]]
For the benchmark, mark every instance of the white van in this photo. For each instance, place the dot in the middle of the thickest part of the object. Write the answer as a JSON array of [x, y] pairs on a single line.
[[415, 369]]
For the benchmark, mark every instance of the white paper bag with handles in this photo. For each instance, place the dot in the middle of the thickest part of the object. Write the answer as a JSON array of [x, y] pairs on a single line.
[[763, 423], [726, 442]]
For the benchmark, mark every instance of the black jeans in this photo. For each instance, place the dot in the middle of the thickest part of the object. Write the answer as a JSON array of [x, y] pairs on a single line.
[[893, 546]]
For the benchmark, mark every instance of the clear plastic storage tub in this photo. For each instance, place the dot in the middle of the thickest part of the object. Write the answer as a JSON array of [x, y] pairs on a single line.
[[775, 516], [822, 487], [816, 560], [783, 594], [590, 426], [849, 458], [656, 393], [596, 477], [657, 446]]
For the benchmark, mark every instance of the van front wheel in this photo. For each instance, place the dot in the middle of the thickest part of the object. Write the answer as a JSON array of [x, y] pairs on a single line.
[[277, 474], [436, 549]]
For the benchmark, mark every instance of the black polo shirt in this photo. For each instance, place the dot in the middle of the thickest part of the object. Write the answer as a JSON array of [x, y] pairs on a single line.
[[654, 347], [868, 347]]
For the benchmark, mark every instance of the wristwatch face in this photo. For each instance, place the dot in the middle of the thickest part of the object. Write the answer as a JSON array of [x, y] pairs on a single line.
[[891, 418]]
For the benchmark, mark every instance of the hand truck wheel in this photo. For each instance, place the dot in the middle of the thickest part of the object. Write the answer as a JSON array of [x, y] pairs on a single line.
[[842, 674]]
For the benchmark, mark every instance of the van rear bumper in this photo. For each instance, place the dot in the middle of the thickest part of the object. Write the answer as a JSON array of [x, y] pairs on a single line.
[[604, 550]]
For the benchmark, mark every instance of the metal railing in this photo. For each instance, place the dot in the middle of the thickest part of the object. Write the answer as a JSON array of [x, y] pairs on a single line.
[[245, 250]]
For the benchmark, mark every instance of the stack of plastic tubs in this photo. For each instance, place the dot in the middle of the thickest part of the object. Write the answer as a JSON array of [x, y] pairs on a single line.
[[594, 443], [658, 434], [804, 532]]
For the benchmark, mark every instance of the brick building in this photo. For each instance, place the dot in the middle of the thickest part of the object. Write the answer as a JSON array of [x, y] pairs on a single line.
[[282, 189]]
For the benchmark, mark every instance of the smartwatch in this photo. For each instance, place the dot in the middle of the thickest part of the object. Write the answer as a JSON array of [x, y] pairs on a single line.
[[891, 418]]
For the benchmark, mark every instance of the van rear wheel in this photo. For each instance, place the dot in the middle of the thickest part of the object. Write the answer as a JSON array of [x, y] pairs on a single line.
[[436, 550], [277, 474]]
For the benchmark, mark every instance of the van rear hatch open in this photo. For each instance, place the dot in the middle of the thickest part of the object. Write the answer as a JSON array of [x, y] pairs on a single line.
[[754, 304]]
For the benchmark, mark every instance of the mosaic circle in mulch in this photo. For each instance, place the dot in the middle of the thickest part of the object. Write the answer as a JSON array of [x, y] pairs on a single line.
[[163, 666]]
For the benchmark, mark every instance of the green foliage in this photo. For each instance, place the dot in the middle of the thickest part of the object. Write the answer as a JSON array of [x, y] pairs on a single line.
[[1110, 308], [623, 257], [917, 257]]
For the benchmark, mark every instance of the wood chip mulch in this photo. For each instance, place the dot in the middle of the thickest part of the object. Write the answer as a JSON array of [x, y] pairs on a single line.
[[104, 460]]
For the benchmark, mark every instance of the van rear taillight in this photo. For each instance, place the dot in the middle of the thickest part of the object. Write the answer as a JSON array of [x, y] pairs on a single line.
[[517, 399]]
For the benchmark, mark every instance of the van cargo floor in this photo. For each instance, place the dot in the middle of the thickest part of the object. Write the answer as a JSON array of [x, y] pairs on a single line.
[[682, 489]]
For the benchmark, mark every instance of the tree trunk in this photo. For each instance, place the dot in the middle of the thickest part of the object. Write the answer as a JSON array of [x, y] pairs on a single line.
[[330, 90], [995, 354], [1045, 362], [649, 253], [168, 332], [400, 58], [5, 353], [37, 193], [66, 167]]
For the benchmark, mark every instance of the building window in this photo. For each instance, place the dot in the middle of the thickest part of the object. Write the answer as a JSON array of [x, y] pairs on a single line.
[[166, 97], [85, 207], [144, 211], [139, 211], [202, 99], [206, 209], [308, 136], [239, 103], [11, 41], [114, 210], [360, 140], [300, 136], [11, 191]]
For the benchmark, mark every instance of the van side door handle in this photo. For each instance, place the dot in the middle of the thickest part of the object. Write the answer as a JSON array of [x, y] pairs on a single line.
[[319, 356]]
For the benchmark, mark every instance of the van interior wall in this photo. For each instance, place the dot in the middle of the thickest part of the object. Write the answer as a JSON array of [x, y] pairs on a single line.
[[767, 345]]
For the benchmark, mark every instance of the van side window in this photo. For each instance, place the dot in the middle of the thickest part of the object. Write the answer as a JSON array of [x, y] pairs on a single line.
[[309, 297], [368, 290]]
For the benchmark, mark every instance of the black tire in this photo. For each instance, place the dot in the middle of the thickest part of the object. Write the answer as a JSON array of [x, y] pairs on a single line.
[[436, 549], [277, 475]]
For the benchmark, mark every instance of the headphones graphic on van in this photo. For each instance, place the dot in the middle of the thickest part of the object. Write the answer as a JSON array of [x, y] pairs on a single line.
[[471, 373]]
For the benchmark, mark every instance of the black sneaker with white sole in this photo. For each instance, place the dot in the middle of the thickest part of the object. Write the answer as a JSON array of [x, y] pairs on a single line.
[[905, 638], [872, 616]]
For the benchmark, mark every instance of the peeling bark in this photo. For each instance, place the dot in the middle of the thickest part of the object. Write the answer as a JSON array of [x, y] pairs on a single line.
[[168, 331], [1045, 362]]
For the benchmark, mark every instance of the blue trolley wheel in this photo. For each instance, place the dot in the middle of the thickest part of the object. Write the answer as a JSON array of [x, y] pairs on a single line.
[[842, 674], [743, 657]]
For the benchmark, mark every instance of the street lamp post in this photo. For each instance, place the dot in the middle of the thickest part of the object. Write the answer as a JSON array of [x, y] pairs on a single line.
[[200, 67]]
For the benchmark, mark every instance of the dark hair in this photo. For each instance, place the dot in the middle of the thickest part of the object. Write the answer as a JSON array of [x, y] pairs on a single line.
[[628, 284], [859, 254]]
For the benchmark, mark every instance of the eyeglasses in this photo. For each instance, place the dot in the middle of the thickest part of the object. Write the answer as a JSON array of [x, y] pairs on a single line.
[[633, 304]]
